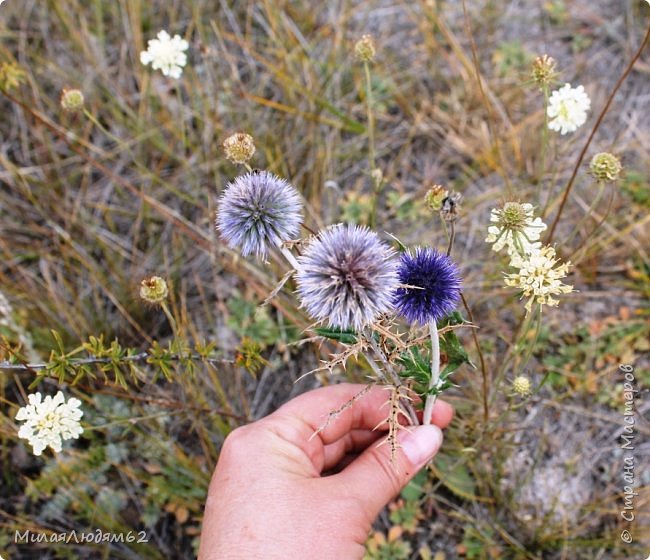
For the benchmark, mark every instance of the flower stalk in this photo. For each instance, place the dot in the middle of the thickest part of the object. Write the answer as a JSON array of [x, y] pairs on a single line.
[[290, 258], [435, 371]]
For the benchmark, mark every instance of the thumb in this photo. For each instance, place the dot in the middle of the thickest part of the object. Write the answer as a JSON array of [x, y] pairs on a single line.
[[373, 479]]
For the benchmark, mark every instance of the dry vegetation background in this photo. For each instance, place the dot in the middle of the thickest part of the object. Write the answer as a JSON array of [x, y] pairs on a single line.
[[92, 203]]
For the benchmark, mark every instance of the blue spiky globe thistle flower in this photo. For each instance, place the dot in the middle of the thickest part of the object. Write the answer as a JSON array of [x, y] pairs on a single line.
[[437, 286], [258, 211], [347, 277]]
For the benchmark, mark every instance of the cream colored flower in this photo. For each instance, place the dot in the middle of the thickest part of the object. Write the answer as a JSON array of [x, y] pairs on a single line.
[[514, 226], [50, 421], [166, 54], [538, 277], [521, 385], [567, 108]]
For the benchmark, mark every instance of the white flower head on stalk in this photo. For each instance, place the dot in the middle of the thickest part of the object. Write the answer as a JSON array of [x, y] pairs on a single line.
[[166, 54], [539, 277], [567, 108], [514, 226], [49, 422]]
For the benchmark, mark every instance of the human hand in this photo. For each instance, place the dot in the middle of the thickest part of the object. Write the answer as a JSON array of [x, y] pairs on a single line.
[[268, 498]]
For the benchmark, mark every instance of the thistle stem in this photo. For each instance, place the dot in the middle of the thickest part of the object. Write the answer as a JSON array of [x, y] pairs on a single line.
[[435, 371], [375, 367], [289, 256], [391, 377]]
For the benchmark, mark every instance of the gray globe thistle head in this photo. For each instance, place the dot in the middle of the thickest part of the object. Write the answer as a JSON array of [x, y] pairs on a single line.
[[347, 277], [257, 211]]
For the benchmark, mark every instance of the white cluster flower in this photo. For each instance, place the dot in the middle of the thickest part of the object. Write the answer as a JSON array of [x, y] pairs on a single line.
[[513, 226], [539, 277], [567, 108], [49, 422], [166, 54]]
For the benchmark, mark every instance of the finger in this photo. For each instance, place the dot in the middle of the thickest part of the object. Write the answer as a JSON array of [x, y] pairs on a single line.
[[373, 479], [367, 412], [354, 441], [442, 414]]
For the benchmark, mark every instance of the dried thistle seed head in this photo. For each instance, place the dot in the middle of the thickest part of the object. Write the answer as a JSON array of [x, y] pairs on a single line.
[[239, 147], [364, 49], [543, 70], [258, 211], [605, 167], [521, 385], [450, 207], [434, 197], [347, 277], [435, 282], [72, 100], [154, 290]]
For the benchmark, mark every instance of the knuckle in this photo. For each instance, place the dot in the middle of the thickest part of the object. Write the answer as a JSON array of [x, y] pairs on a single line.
[[237, 442]]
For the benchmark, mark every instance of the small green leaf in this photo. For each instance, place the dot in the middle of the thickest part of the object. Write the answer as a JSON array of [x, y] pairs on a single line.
[[451, 345], [342, 335], [455, 475], [414, 489], [400, 246]]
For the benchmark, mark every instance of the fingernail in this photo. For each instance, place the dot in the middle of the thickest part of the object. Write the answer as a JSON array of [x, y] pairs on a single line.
[[420, 444]]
